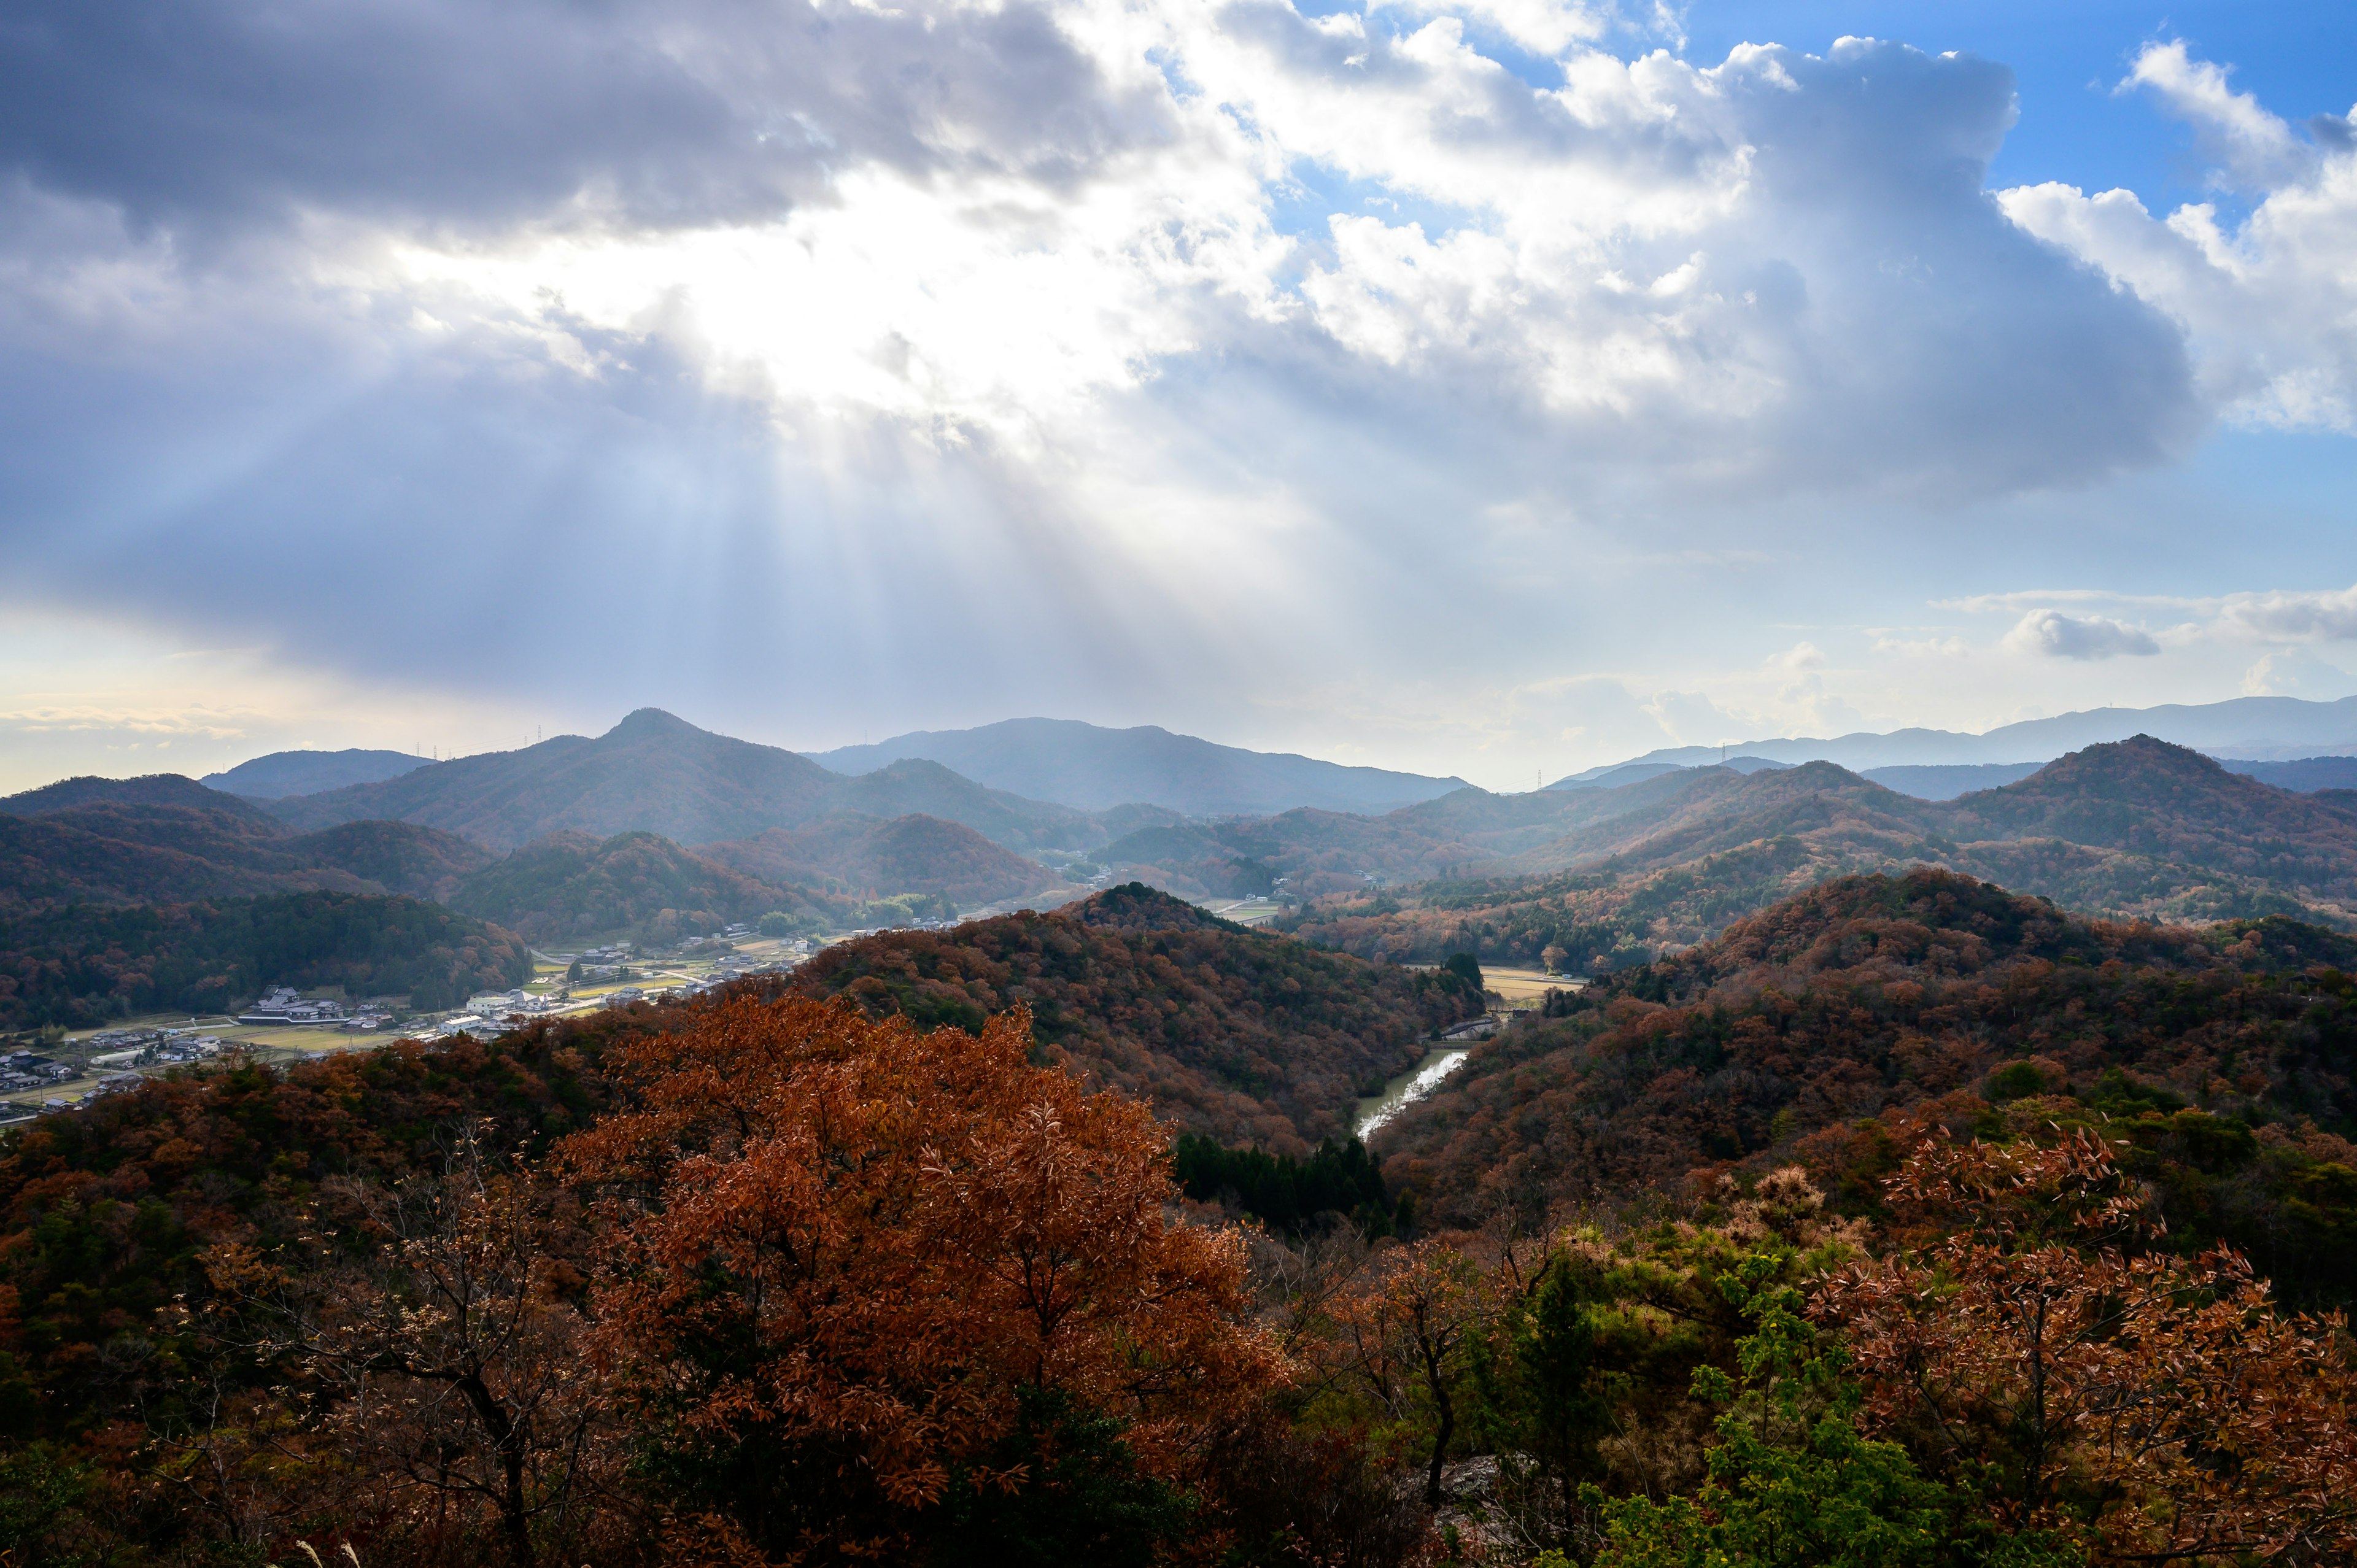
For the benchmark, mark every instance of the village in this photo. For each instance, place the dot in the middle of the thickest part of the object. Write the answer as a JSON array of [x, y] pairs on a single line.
[[285, 1024]]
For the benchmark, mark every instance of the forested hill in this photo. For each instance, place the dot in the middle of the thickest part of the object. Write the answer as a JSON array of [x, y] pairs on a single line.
[[149, 789], [574, 885], [1247, 1038], [1835, 1026], [2139, 829], [122, 852], [88, 965]]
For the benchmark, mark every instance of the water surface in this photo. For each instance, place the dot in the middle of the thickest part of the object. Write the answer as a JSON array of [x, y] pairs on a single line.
[[1409, 1087]]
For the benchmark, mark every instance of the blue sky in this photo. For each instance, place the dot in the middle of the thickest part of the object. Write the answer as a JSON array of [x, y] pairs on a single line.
[[1494, 387]]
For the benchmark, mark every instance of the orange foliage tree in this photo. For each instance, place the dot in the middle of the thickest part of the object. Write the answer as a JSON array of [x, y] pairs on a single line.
[[2152, 1407], [873, 1286]]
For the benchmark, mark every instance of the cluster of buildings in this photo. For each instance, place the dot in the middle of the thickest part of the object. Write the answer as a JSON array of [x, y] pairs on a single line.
[[21, 1070], [122, 1049], [284, 1004]]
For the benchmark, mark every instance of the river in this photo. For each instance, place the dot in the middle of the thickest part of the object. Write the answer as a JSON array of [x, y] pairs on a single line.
[[1408, 1088]]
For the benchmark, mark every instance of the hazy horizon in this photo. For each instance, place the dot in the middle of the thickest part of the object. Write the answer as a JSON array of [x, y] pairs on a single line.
[[1495, 388]]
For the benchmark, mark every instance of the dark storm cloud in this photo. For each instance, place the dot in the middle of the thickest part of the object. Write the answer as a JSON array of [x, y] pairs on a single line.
[[490, 111]]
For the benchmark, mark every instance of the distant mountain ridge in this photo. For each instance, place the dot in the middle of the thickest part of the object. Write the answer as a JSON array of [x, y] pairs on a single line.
[[2259, 728], [656, 773], [1095, 769], [2138, 828], [283, 773]]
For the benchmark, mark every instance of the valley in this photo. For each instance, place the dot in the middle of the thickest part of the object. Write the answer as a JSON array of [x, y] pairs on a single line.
[[1575, 1058]]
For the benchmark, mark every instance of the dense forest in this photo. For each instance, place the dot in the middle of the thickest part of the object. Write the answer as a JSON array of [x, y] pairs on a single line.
[[1840, 1026], [81, 965], [570, 885], [1238, 1035], [764, 1280]]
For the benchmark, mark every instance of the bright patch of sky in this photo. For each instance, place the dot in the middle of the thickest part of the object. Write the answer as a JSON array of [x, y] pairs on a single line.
[[1492, 387]]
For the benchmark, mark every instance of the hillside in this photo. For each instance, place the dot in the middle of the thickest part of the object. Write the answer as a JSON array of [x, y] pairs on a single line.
[[571, 885], [111, 851], [2305, 774], [1096, 769], [108, 852], [1846, 1020], [2139, 829], [399, 857], [655, 773], [1326, 852], [914, 854], [283, 773], [1247, 1038], [919, 787], [171, 789], [650, 773], [88, 965]]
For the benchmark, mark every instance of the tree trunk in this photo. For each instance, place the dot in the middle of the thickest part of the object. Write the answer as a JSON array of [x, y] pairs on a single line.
[[515, 1520], [1447, 1428]]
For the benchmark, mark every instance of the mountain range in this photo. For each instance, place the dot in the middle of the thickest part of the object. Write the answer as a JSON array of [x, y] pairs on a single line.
[[2139, 828], [283, 773], [1096, 769], [118, 842], [2257, 728], [657, 820], [656, 773]]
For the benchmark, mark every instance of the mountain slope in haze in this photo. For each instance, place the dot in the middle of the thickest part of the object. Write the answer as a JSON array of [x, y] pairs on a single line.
[[2259, 727], [1328, 852], [283, 773], [2304, 774], [2139, 829], [1095, 769], [650, 773], [1837, 1027], [655, 773], [913, 854], [571, 885], [1947, 781], [1247, 1038], [172, 790], [915, 787]]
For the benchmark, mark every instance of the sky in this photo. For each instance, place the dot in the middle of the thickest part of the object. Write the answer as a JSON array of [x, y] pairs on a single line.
[[1494, 388]]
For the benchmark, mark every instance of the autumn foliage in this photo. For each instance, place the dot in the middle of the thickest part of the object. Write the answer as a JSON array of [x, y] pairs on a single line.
[[2150, 1406], [775, 1279], [851, 1258]]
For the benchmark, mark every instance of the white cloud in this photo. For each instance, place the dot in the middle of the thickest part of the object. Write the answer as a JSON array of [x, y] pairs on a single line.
[[2269, 306], [1692, 718], [2053, 635], [2288, 616], [2256, 148], [2295, 673], [1542, 27]]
